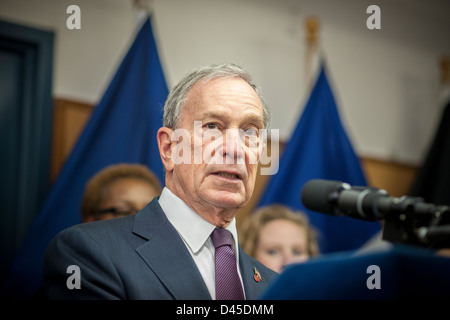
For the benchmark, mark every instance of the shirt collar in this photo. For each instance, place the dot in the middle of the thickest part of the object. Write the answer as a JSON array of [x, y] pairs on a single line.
[[194, 230]]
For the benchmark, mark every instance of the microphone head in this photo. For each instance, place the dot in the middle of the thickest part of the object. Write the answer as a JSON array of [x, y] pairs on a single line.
[[321, 195]]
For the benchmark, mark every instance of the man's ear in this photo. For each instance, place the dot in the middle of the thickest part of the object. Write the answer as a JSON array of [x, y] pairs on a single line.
[[163, 137]]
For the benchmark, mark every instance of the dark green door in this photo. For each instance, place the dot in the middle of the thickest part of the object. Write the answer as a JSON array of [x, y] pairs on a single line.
[[26, 56]]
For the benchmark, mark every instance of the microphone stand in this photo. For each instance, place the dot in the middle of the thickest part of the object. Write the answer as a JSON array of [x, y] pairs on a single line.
[[412, 221]]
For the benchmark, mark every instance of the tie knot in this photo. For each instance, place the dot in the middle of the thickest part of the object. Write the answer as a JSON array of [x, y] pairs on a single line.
[[221, 237]]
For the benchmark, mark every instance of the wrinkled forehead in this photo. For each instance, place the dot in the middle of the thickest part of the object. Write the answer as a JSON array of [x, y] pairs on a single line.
[[207, 95]]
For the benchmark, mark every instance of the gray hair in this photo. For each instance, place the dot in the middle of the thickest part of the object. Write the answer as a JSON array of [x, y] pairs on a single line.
[[177, 96]]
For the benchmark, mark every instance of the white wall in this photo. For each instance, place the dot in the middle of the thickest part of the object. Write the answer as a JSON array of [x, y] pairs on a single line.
[[386, 82]]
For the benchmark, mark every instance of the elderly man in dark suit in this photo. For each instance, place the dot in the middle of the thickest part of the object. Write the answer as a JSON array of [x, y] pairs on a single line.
[[183, 244]]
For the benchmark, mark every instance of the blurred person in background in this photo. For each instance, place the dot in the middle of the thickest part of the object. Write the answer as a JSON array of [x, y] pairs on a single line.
[[119, 190], [277, 236]]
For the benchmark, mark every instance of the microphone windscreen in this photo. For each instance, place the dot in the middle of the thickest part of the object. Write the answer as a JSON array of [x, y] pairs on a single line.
[[316, 195]]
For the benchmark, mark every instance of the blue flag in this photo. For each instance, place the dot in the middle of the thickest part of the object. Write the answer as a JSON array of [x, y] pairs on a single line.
[[122, 129], [320, 149]]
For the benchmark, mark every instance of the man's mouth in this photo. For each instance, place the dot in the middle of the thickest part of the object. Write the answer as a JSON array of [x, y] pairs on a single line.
[[228, 175]]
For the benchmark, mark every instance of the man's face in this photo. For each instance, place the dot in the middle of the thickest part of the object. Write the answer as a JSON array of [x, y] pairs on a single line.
[[228, 113]]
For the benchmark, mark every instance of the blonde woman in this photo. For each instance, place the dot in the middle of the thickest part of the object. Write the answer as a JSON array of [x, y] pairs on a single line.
[[277, 236]]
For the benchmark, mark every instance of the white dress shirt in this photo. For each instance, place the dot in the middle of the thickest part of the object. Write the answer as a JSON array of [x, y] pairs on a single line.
[[195, 232]]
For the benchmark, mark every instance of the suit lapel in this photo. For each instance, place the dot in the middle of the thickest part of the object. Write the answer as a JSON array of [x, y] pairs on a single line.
[[166, 254], [253, 287]]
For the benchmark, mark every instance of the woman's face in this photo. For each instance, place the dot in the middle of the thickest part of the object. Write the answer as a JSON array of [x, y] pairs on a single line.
[[125, 196], [280, 243]]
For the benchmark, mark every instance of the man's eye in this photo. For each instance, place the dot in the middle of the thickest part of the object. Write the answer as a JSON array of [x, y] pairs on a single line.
[[251, 132], [212, 126]]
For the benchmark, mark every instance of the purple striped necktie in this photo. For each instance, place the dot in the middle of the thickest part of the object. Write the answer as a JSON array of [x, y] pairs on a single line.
[[228, 284]]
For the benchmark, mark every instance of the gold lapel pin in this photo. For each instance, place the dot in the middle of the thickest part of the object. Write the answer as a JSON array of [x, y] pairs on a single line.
[[257, 275]]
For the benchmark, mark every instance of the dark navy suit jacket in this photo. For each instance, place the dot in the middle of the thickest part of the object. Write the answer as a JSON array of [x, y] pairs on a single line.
[[134, 257]]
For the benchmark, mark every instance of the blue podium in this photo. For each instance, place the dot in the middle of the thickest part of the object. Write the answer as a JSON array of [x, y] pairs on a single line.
[[400, 272]]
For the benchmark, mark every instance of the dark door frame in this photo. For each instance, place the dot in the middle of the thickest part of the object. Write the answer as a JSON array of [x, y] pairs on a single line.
[[25, 161]]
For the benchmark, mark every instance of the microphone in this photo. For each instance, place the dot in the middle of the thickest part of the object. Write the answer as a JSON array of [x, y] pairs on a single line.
[[366, 203], [407, 219], [339, 198]]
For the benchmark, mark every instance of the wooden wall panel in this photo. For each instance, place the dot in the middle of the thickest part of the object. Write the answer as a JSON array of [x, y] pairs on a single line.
[[69, 120], [71, 116], [395, 178]]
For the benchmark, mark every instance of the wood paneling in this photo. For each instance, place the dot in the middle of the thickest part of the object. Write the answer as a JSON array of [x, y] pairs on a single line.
[[69, 120], [71, 116], [395, 178]]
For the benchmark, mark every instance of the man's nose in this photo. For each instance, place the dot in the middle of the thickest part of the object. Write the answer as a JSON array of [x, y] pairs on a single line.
[[232, 147]]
